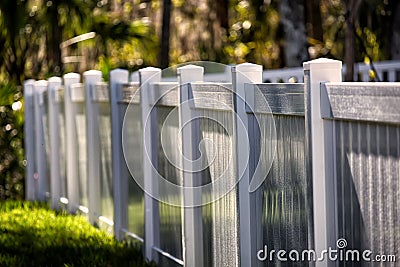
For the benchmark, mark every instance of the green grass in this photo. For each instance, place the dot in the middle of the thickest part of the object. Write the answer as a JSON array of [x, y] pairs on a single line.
[[33, 235]]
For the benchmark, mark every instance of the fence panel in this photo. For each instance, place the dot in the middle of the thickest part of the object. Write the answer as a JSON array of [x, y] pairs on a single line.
[[75, 112], [134, 147], [283, 204], [166, 101], [101, 121], [366, 126], [213, 104], [129, 197]]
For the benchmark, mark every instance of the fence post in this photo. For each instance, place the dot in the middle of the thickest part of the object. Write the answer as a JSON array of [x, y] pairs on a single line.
[[41, 162], [192, 219], [91, 77], [147, 76], [71, 143], [54, 137], [120, 183], [29, 132], [319, 135], [245, 73]]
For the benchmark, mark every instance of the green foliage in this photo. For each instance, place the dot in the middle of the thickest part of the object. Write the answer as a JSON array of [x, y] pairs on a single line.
[[15, 31], [33, 235], [253, 34], [11, 143], [123, 44]]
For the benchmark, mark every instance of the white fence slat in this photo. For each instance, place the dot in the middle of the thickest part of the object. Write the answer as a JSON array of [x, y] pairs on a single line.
[[117, 78], [42, 182], [147, 76], [29, 137], [192, 219], [242, 74], [322, 158], [54, 136], [71, 143], [91, 77]]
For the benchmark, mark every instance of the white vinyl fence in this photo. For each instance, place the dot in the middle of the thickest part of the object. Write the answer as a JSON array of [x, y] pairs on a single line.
[[220, 170]]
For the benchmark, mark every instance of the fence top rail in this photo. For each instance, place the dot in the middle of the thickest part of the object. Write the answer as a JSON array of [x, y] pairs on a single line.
[[43, 97], [100, 92], [374, 102], [129, 92], [59, 93], [210, 95], [165, 94], [77, 92], [275, 98]]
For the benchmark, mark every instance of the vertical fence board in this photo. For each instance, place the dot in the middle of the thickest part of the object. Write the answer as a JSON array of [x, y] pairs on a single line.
[[40, 154], [91, 77], [245, 73], [220, 217], [62, 150], [117, 78], [29, 138], [101, 99], [192, 217], [322, 160], [54, 136], [134, 148], [72, 165], [147, 76]]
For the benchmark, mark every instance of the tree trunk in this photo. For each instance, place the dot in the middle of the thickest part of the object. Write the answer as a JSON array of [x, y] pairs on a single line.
[[222, 13], [395, 40], [349, 43], [295, 39], [165, 34], [314, 21], [54, 39]]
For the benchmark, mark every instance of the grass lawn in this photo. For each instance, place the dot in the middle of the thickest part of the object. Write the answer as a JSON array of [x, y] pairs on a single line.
[[33, 235]]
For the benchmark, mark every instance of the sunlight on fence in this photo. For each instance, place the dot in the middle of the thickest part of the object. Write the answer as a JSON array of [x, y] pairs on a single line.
[[208, 169]]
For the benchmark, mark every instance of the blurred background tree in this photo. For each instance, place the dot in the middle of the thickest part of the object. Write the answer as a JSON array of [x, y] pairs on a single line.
[[133, 34]]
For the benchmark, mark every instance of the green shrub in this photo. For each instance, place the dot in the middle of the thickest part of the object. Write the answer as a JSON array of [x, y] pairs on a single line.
[[33, 235], [12, 170]]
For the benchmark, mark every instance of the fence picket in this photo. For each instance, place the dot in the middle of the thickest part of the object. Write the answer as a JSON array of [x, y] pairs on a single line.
[[322, 161], [71, 143], [118, 77], [40, 87], [53, 112], [147, 76], [245, 73], [192, 226], [29, 130]]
